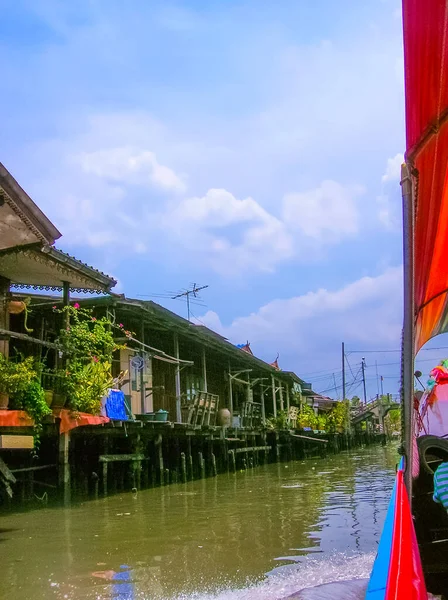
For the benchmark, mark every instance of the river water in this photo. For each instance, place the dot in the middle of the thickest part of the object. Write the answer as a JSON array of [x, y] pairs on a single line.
[[263, 533]]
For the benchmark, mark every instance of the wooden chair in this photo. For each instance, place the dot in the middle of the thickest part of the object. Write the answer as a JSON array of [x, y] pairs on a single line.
[[293, 415]]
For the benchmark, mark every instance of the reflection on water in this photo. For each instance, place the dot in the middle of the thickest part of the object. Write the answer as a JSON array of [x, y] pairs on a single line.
[[298, 522]]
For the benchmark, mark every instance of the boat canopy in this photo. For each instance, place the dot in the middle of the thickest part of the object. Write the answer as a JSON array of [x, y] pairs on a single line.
[[426, 80]]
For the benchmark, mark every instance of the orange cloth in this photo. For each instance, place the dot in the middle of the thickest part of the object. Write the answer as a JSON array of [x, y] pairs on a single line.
[[15, 418], [71, 420]]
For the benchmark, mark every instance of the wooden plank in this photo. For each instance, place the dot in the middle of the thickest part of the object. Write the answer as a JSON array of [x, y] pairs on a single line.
[[107, 458], [28, 338], [312, 439], [16, 442], [250, 449], [30, 469]]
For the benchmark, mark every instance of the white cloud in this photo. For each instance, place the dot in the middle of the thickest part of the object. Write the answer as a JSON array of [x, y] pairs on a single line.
[[130, 166], [308, 329], [328, 210], [393, 169], [388, 207], [235, 235]]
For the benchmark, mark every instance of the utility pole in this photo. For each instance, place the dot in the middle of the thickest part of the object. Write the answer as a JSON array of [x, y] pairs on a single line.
[[194, 291], [363, 367], [377, 378], [382, 391], [343, 371], [335, 386]]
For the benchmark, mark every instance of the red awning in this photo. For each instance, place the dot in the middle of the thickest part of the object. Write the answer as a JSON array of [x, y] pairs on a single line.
[[425, 25]]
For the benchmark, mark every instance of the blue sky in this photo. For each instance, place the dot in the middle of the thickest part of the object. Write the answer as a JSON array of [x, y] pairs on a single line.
[[249, 146]]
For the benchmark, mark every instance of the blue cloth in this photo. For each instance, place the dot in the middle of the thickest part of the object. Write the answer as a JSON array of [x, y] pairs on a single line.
[[116, 406], [441, 485], [123, 588]]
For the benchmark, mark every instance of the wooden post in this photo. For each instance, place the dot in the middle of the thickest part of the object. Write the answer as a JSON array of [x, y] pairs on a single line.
[[161, 469], [177, 380], [281, 394], [4, 314], [263, 409], [232, 460], [201, 465], [214, 470], [149, 398], [204, 370], [183, 466], [142, 375], [287, 398], [274, 400], [230, 397], [190, 458], [64, 466], [105, 478], [66, 301]]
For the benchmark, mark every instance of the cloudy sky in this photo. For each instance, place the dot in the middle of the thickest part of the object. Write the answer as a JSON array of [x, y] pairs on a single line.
[[248, 145]]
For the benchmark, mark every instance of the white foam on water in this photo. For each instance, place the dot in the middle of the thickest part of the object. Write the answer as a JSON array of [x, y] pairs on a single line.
[[290, 579]]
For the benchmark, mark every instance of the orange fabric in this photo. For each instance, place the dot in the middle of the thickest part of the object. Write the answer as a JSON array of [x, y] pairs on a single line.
[[405, 580], [15, 418], [426, 82], [71, 420]]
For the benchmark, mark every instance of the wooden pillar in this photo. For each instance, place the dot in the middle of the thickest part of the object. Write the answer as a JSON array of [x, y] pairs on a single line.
[[230, 396], [204, 370], [287, 398], [4, 314], [66, 302], [274, 400], [64, 466], [263, 409], [281, 394], [149, 399], [142, 375], [177, 380]]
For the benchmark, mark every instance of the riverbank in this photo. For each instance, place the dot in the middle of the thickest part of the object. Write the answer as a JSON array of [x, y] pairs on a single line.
[[90, 462]]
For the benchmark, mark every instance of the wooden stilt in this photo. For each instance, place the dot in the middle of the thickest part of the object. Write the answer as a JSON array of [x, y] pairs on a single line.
[[201, 465], [161, 469], [232, 460], [183, 466], [214, 469], [64, 466]]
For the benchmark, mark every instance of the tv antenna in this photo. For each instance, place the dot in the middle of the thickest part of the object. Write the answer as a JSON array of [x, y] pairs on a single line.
[[194, 292]]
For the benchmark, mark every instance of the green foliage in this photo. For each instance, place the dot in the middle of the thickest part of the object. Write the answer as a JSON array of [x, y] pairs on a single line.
[[355, 402], [87, 338], [33, 401], [307, 418], [88, 346], [278, 422], [20, 381], [338, 417], [334, 421], [395, 419], [87, 384], [15, 377]]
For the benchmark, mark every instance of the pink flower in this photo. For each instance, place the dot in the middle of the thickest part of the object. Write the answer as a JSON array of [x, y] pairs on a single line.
[[54, 307], [76, 305], [95, 359], [121, 325], [93, 319]]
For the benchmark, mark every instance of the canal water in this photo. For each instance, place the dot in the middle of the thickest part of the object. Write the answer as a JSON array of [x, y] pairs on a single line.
[[263, 533]]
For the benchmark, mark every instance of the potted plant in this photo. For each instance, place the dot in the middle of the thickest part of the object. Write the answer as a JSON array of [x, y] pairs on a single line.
[[15, 377]]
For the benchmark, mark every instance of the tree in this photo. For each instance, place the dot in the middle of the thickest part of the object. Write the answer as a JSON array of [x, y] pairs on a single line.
[[355, 402]]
